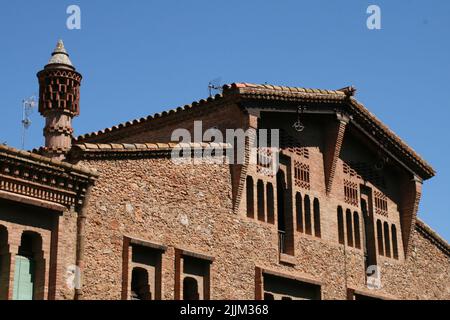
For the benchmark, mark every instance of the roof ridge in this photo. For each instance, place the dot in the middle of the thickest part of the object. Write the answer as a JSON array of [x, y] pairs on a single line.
[[290, 89]]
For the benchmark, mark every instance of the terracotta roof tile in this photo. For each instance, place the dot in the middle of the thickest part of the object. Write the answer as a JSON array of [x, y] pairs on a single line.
[[137, 147], [39, 159]]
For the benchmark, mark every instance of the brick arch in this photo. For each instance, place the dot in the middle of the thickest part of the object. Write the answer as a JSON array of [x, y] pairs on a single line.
[[31, 246]]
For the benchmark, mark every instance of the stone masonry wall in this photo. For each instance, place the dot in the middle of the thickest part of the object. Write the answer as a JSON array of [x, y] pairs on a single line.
[[190, 207]]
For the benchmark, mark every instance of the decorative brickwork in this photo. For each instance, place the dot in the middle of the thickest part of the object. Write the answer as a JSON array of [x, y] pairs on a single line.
[[333, 145], [59, 101], [302, 175], [351, 193], [381, 206]]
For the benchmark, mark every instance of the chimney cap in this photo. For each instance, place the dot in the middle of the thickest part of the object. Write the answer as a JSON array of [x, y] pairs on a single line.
[[60, 56]]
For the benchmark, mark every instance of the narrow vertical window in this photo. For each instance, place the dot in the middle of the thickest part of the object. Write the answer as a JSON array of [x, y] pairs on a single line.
[[308, 229], [380, 238], [270, 204], [317, 230], [299, 211], [387, 241], [394, 242], [340, 220], [260, 195], [349, 228], [357, 230], [250, 198]]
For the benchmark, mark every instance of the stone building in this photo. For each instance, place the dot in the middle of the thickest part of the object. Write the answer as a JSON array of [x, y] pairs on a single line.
[[110, 215]]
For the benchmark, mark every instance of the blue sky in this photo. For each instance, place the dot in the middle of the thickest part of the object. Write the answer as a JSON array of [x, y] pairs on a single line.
[[141, 57]]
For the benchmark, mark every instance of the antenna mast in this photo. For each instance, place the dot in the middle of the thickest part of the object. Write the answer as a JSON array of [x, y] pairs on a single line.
[[27, 110], [214, 86]]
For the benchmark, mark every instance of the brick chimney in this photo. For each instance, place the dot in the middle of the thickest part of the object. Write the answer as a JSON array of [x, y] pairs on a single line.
[[59, 101]]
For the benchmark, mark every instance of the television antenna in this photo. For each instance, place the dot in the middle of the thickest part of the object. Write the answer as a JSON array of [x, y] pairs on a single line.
[[215, 87], [27, 109]]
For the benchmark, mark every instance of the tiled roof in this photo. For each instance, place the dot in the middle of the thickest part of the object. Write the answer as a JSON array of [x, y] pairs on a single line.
[[93, 147], [283, 93], [100, 150], [149, 118], [36, 158]]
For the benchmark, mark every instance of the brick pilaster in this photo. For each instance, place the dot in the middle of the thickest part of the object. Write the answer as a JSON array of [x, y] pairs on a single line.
[[333, 145], [409, 205]]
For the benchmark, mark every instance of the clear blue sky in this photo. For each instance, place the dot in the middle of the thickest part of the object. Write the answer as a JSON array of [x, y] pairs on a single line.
[[141, 57]]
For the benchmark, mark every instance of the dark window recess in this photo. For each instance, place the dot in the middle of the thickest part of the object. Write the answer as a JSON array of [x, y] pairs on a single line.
[[387, 241], [357, 230], [349, 224], [260, 195], [140, 288], [317, 231], [270, 204], [394, 242], [279, 288], [190, 289], [250, 198], [308, 229], [340, 220], [380, 238], [299, 211]]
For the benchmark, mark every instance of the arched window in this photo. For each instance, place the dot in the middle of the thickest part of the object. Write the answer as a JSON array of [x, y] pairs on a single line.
[[250, 198], [4, 263], [357, 230], [260, 193], [349, 228], [317, 230], [270, 205], [308, 229], [299, 211], [380, 238], [340, 220], [394, 242], [387, 241], [140, 288], [190, 289], [29, 268]]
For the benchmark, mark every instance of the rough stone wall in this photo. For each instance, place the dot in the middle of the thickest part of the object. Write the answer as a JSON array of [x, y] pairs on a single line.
[[190, 207]]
